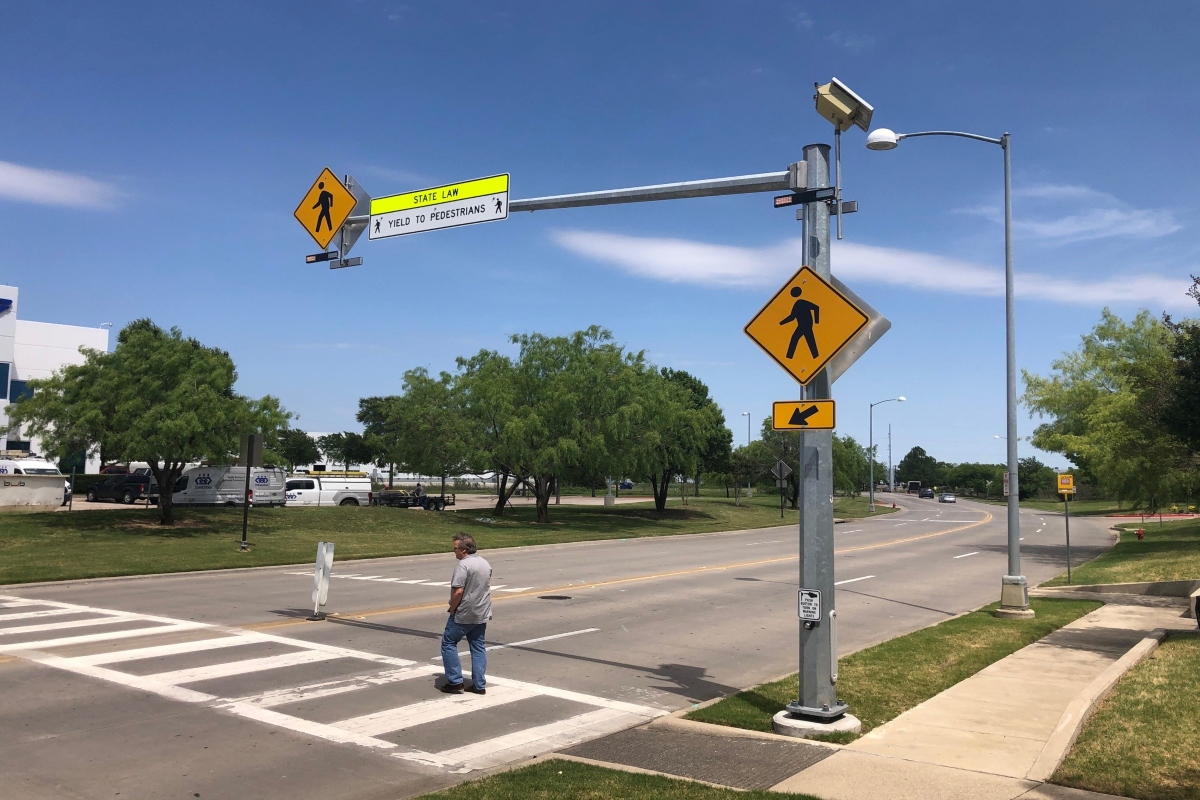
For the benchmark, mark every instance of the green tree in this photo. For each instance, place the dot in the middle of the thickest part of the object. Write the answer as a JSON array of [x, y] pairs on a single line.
[[158, 397], [378, 417], [487, 390], [851, 467], [717, 439], [745, 467], [783, 446], [670, 434], [432, 432], [1035, 478], [296, 447], [917, 465], [1104, 406]]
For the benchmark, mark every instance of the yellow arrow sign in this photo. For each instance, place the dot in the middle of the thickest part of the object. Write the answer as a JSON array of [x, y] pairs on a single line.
[[803, 415], [805, 324], [325, 207]]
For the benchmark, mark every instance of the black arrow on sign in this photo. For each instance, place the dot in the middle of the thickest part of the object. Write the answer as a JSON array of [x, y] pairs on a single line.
[[801, 417]]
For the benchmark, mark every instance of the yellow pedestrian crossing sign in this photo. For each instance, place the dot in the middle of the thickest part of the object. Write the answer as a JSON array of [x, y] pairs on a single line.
[[325, 207], [805, 324]]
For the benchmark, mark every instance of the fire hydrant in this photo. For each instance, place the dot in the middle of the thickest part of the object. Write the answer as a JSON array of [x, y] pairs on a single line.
[[1141, 534]]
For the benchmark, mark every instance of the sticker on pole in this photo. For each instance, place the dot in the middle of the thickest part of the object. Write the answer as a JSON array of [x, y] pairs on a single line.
[[806, 324], [810, 605], [449, 206]]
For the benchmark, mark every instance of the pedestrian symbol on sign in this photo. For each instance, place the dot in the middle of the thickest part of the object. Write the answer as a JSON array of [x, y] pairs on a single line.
[[805, 315], [325, 202]]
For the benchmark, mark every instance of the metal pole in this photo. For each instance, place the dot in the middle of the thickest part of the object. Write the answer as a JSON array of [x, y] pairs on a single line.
[[871, 456], [1014, 594], [817, 692], [1067, 520], [71, 501], [246, 503], [891, 474]]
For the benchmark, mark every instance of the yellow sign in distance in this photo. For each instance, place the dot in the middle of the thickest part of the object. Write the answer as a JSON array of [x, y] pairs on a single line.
[[440, 194], [325, 207], [805, 324], [1066, 484], [803, 415]]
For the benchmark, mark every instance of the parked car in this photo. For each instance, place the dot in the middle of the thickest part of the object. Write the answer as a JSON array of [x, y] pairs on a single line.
[[399, 498], [226, 486], [946, 497], [925, 494], [329, 489], [126, 488], [66, 492]]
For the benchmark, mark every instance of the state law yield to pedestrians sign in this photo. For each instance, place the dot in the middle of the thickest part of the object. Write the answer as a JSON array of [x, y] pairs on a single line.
[[325, 207], [803, 415], [805, 324], [449, 206]]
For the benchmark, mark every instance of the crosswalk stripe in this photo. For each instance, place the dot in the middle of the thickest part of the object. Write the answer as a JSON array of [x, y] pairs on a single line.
[[54, 612], [518, 589], [579, 697], [316, 691], [121, 678], [229, 668], [57, 626], [427, 711], [118, 656], [42, 644], [317, 729]]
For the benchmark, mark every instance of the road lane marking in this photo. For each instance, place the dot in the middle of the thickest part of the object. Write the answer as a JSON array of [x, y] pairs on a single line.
[[964, 555], [633, 579], [54, 612], [852, 580], [42, 644], [755, 544], [316, 691], [427, 711], [465, 653], [230, 668], [57, 626]]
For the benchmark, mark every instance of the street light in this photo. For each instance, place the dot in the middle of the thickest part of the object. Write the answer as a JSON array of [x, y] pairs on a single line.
[[1014, 592], [871, 447]]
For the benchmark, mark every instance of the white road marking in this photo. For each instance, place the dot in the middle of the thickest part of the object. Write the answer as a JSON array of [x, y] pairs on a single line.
[[465, 653], [19, 603], [54, 612], [964, 555], [158, 651], [773, 541], [363, 577], [225, 670], [439, 583], [518, 589], [425, 712], [57, 626], [898, 524], [315, 691], [120, 678], [856, 530], [42, 644], [327, 732], [852, 580]]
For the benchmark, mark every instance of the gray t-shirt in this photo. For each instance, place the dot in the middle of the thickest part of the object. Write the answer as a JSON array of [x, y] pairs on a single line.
[[474, 575]]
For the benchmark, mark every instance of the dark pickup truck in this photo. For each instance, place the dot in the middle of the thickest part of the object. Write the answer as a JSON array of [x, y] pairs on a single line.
[[402, 499], [126, 488]]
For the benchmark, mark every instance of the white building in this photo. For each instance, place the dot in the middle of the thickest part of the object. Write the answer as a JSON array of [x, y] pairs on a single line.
[[35, 350]]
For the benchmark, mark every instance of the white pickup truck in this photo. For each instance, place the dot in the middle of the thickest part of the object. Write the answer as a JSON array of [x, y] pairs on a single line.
[[329, 489]]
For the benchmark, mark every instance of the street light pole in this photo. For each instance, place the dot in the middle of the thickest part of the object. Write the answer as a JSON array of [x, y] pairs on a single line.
[[871, 448], [1014, 590]]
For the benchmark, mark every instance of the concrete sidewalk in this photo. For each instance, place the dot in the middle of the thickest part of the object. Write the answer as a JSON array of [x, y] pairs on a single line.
[[1002, 732]]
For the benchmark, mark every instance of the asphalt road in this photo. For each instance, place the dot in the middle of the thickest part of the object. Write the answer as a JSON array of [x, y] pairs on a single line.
[[213, 685]]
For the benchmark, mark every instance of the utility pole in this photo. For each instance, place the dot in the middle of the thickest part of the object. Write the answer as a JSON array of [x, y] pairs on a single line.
[[818, 701], [891, 474]]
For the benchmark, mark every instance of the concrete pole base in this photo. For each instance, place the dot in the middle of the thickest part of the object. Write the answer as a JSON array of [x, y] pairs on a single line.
[[787, 725], [1014, 613]]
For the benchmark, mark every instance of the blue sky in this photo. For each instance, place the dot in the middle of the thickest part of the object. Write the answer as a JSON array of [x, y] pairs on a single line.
[[152, 154]]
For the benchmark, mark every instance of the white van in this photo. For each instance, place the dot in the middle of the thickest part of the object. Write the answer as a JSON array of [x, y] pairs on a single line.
[[30, 484], [329, 489], [225, 486]]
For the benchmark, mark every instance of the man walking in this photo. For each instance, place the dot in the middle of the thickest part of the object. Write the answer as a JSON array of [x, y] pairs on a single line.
[[470, 609]]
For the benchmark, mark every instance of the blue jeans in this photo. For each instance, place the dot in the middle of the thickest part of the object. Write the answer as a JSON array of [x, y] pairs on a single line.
[[450, 639]]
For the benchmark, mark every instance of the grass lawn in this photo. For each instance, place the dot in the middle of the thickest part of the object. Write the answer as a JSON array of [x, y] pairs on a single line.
[[1169, 553], [557, 779], [1079, 508], [1144, 740], [883, 681], [87, 544]]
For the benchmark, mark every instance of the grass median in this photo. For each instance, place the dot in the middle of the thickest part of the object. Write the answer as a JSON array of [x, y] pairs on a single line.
[[1143, 740], [1170, 552], [128, 541], [884, 681], [558, 779]]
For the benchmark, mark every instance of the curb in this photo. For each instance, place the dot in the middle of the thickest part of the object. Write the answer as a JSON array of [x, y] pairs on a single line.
[[635, 770], [1081, 708], [725, 731]]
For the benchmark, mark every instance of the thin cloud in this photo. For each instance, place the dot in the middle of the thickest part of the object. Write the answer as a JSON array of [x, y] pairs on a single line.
[[52, 188], [854, 42], [726, 266]]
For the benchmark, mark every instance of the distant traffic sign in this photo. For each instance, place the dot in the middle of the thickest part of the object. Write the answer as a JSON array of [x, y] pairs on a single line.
[[325, 207], [481, 200], [781, 470], [807, 309], [803, 415], [1066, 484], [809, 196]]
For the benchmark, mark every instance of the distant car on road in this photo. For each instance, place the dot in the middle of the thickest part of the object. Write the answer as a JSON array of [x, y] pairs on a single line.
[[946, 497], [126, 488], [925, 494]]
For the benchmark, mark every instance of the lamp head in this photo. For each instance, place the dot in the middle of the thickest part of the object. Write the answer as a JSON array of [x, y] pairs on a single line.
[[882, 139], [842, 107], [901, 399]]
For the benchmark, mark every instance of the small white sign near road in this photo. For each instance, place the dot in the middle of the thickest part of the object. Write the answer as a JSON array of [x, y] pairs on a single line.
[[809, 605]]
